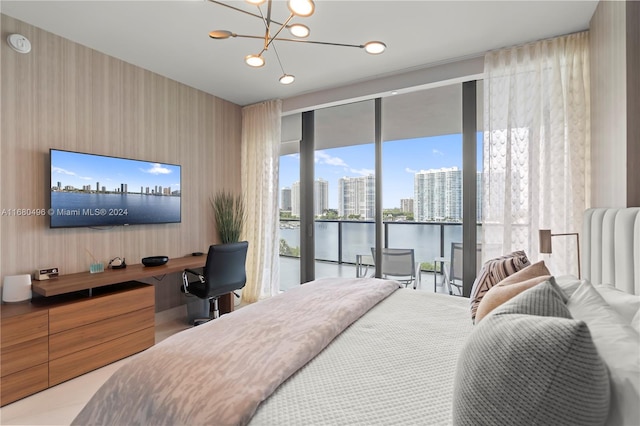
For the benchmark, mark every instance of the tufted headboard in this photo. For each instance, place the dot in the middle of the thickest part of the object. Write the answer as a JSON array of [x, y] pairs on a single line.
[[611, 247]]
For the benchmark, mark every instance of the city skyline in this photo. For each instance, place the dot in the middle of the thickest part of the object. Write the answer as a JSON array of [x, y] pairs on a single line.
[[401, 160], [80, 170]]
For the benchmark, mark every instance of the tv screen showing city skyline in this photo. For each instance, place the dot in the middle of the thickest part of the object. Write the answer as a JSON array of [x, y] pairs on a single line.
[[95, 190]]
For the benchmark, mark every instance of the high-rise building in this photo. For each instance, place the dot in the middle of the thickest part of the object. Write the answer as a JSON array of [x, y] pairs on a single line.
[[406, 205], [295, 199], [320, 196], [285, 199], [438, 195], [356, 196]]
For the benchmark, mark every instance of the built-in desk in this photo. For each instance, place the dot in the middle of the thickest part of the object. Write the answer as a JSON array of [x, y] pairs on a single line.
[[86, 280]]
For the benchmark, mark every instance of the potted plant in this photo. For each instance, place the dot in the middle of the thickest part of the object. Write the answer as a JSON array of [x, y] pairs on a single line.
[[229, 214]]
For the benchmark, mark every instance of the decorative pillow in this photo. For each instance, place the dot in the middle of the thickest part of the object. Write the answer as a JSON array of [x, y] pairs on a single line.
[[625, 304], [494, 271], [545, 300], [512, 286], [619, 346], [519, 369]]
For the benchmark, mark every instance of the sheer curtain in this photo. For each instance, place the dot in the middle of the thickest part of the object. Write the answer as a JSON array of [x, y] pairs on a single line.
[[536, 148], [260, 161]]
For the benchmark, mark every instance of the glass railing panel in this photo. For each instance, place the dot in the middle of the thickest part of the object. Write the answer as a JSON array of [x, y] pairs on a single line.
[[423, 238], [452, 234], [357, 238], [327, 240], [290, 238]]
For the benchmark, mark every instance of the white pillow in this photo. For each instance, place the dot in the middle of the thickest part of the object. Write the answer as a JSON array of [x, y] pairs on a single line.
[[625, 304], [635, 322], [619, 346], [568, 284]]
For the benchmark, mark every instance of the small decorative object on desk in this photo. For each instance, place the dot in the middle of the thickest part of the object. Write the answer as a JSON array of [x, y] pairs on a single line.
[[96, 267]]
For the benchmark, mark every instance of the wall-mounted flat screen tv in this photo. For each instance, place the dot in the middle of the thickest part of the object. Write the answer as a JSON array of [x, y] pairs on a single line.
[[89, 190]]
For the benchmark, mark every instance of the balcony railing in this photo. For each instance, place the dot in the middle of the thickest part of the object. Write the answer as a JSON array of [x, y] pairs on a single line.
[[340, 241]]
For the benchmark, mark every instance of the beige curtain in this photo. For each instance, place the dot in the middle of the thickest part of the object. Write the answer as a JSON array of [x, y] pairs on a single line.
[[260, 161], [536, 148]]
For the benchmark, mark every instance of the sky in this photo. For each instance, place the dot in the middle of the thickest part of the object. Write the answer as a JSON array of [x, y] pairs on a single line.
[[401, 160], [77, 170]]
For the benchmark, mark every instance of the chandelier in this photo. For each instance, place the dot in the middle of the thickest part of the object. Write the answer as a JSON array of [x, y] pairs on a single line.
[[297, 8]]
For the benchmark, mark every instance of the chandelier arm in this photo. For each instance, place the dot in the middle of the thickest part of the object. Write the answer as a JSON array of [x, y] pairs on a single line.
[[268, 12], [278, 58], [327, 43], [280, 30], [241, 10]]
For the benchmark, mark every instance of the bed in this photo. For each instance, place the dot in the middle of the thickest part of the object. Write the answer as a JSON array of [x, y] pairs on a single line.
[[365, 351]]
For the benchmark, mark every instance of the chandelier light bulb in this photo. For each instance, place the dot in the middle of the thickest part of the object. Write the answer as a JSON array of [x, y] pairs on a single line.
[[375, 47], [255, 61], [299, 30], [297, 8], [287, 79], [303, 8]]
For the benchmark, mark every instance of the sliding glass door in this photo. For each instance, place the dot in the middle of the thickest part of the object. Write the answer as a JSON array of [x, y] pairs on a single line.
[[421, 178]]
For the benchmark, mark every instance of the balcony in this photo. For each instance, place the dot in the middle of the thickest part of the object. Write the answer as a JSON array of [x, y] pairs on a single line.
[[338, 242]]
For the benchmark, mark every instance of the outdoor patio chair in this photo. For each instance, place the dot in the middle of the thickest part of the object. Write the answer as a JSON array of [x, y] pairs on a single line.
[[400, 265]]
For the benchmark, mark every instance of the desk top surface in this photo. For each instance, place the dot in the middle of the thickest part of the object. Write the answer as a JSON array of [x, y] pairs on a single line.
[[86, 280]]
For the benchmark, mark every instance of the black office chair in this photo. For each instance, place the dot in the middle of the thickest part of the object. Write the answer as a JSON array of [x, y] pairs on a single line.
[[223, 273]]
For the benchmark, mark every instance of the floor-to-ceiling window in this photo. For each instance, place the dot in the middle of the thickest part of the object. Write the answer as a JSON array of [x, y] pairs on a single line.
[[422, 171], [345, 169], [421, 178], [289, 201]]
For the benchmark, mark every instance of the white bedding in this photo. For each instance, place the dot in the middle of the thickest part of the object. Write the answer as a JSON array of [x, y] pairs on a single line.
[[396, 365], [393, 366]]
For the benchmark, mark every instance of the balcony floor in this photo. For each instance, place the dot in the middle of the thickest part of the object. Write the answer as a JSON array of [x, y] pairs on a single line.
[[290, 274]]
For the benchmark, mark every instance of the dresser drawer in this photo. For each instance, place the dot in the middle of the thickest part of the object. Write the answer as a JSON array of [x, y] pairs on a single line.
[[98, 308], [81, 338], [23, 355], [24, 383], [22, 328], [77, 363]]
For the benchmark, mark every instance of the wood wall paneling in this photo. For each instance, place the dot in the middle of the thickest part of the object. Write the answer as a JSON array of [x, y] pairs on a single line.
[[633, 103], [66, 96], [608, 105], [615, 103]]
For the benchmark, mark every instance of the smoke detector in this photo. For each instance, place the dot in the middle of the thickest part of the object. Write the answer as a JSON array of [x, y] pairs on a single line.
[[19, 43]]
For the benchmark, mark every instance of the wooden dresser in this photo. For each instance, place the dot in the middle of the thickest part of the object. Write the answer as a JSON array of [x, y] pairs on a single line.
[[78, 323], [54, 339]]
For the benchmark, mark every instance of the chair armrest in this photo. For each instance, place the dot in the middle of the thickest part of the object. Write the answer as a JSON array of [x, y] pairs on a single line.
[[197, 273], [185, 278]]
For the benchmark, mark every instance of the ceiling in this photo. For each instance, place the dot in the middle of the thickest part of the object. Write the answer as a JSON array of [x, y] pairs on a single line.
[[171, 38]]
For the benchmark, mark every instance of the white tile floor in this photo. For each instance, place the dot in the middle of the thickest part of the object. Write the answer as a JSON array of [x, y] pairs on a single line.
[[60, 404]]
